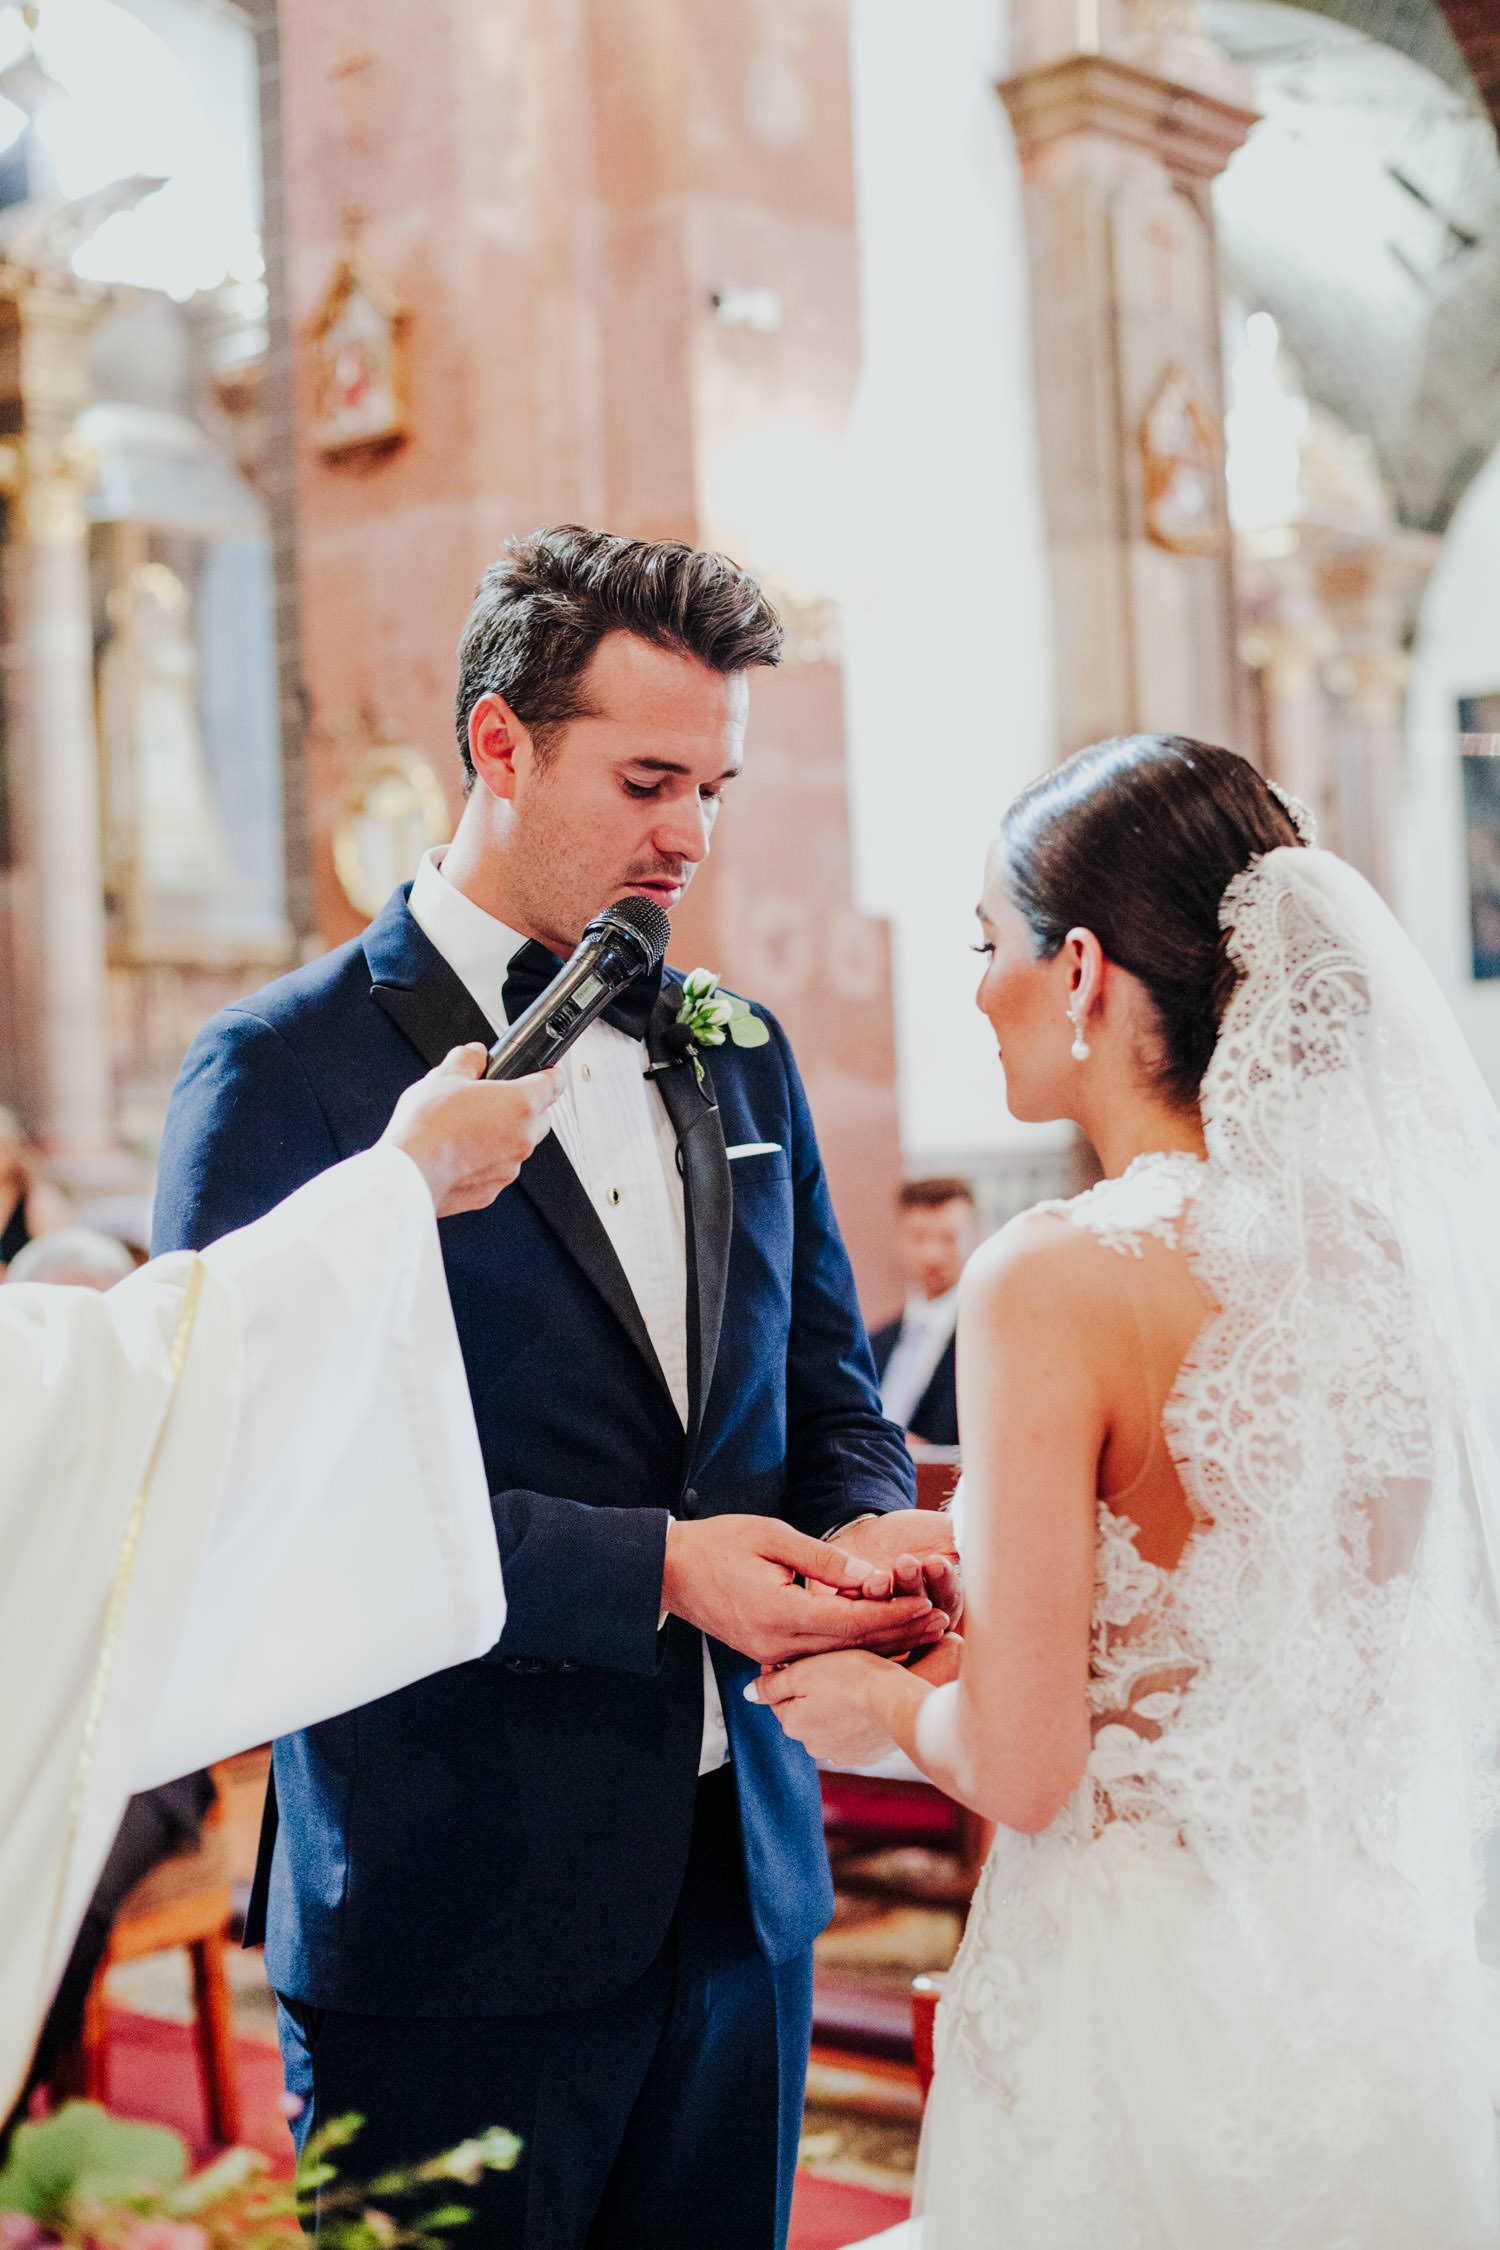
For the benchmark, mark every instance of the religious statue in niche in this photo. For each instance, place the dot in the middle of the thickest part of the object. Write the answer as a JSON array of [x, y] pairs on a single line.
[[358, 341], [1182, 454], [166, 843]]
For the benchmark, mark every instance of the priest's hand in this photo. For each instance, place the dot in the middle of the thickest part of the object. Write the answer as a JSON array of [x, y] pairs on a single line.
[[736, 1578], [468, 1135]]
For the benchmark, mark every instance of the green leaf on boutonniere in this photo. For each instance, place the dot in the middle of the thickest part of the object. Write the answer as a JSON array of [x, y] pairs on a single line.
[[707, 1013], [745, 1027]]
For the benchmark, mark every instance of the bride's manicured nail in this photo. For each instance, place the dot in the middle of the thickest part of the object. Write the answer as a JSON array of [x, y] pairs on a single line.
[[752, 1691]]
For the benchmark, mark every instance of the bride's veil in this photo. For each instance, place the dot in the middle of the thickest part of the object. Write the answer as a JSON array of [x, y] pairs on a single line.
[[1338, 1428]]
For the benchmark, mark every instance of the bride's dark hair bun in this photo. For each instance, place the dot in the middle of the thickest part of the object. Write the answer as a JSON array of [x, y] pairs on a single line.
[[1137, 840]]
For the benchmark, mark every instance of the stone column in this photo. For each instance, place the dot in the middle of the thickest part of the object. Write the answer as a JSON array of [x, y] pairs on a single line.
[[1372, 591], [1286, 639], [1118, 146], [58, 887], [1328, 614]]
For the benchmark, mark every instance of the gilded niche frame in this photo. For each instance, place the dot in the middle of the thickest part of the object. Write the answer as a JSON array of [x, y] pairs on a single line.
[[392, 809]]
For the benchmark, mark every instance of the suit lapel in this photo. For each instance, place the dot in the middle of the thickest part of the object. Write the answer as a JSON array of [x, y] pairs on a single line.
[[433, 1007], [413, 984], [437, 1013], [708, 1199]]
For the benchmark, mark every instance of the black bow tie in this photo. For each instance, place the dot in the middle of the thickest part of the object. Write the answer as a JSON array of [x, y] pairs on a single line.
[[532, 969]]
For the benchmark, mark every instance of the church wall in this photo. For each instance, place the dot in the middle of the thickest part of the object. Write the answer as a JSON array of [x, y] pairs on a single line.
[[387, 550], [556, 192]]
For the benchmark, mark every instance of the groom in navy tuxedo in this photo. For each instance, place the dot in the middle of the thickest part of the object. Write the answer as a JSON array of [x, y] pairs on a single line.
[[572, 1888]]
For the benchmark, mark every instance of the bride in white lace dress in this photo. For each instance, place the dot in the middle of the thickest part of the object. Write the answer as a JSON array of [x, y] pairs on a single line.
[[1229, 1680]]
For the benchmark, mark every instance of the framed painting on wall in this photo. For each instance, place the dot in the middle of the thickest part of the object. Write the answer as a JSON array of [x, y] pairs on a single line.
[[1479, 750], [358, 338]]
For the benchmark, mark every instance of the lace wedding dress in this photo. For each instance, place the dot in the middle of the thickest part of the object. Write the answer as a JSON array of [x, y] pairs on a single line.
[[1231, 1999]]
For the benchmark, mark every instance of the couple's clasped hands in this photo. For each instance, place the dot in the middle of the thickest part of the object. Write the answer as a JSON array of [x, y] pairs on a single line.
[[888, 1587], [874, 1617]]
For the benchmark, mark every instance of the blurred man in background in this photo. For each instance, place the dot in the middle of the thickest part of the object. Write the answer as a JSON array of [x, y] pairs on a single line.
[[914, 1356]]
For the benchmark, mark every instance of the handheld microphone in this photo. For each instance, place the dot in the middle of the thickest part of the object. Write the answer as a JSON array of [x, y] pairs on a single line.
[[619, 945]]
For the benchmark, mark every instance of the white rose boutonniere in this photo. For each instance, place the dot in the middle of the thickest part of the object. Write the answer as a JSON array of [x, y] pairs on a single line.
[[707, 1015]]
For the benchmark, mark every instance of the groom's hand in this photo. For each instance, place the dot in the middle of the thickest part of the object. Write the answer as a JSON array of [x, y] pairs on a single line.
[[918, 1548], [736, 1578]]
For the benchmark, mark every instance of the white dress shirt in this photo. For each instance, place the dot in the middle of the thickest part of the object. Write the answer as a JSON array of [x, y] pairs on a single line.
[[615, 1132], [927, 1327]]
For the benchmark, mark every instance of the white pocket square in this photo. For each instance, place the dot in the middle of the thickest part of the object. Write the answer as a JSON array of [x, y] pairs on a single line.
[[753, 1148]]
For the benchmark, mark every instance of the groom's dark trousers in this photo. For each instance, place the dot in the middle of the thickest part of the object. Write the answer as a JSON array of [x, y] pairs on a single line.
[[503, 1896]]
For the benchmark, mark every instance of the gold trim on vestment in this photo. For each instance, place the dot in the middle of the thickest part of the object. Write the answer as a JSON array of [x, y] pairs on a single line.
[[114, 1614]]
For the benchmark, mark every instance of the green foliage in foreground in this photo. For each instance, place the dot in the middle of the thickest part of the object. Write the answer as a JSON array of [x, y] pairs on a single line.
[[96, 2182]]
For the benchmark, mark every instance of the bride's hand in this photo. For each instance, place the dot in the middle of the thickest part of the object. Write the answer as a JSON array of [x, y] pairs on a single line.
[[823, 1703], [828, 1703]]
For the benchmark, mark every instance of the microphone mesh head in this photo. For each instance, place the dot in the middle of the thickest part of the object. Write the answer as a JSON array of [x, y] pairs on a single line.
[[649, 924]]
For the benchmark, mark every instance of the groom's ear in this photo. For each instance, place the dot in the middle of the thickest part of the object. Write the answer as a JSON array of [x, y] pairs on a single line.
[[496, 737]]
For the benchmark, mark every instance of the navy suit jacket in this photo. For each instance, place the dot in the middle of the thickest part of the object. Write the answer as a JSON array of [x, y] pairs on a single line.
[[510, 1836]]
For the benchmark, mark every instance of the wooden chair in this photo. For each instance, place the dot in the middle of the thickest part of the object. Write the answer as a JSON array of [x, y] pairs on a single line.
[[185, 1901], [937, 1475], [926, 1992]]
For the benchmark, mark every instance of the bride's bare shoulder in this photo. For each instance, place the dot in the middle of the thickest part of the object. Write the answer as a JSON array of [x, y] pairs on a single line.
[[1039, 1265]]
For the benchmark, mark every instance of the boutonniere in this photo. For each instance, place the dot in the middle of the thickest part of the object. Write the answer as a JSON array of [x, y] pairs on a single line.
[[707, 1015]]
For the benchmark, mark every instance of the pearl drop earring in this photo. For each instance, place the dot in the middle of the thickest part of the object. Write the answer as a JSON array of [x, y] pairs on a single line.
[[1080, 1049]]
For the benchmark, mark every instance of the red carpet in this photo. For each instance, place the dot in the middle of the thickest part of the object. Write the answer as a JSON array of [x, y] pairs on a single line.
[[826, 2215], [153, 2073]]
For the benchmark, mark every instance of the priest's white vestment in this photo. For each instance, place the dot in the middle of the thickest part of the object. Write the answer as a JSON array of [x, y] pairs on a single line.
[[239, 1493]]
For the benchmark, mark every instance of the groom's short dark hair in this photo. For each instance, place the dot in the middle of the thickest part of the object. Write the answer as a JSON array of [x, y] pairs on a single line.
[[548, 600]]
